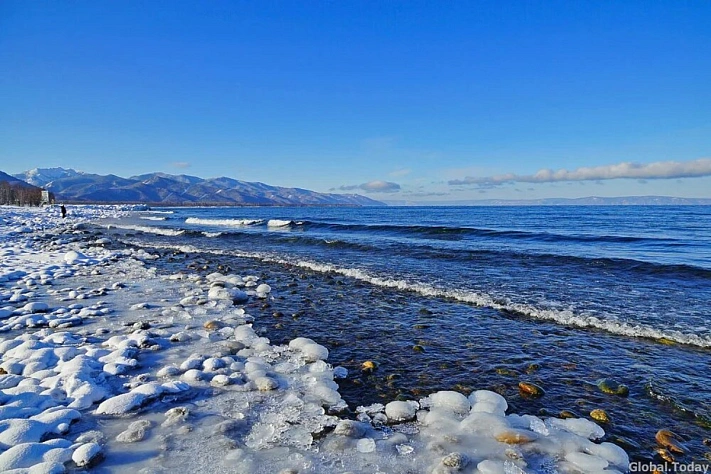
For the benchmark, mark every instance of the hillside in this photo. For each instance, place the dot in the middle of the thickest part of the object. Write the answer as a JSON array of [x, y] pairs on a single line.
[[161, 188]]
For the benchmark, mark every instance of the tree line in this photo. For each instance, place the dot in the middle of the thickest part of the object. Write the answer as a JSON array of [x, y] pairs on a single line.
[[20, 195]]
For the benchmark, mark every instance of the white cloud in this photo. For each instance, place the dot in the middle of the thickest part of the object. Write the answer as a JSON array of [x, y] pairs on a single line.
[[374, 187], [181, 164], [400, 172], [625, 170]]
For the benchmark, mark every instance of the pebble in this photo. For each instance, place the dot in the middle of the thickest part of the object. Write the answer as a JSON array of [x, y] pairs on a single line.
[[530, 390], [455, 460], [600, 415], [612, 387], [668, 440]]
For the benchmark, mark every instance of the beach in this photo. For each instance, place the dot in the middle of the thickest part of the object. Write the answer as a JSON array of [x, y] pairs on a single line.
[[122, 358]]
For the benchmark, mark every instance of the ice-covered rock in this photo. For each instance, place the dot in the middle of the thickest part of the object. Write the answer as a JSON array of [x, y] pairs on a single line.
[[87, 454], [449, 400], [401, 410], [135, 432], [488, 402]]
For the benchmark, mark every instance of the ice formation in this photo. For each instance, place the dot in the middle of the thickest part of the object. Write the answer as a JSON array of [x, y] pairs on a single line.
[[105, 362]]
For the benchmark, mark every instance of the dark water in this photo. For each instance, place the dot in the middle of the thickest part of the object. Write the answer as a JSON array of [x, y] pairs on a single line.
[[466, 298]]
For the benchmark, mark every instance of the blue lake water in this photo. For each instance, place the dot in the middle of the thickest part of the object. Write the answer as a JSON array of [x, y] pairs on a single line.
[[577, 293]]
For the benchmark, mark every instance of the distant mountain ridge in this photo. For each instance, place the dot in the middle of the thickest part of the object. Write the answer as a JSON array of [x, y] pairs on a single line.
[[12, 180], [584, 201], [162, 188]]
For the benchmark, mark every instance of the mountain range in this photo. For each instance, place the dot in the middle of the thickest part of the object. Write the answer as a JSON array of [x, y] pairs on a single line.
[[583, 201], [13, 181], [166, 189]]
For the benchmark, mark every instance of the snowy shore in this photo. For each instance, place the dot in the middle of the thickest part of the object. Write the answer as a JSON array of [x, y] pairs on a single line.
[[105, 363]]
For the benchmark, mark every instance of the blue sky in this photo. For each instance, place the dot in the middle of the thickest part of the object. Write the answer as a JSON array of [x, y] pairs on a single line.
[[400, 100]]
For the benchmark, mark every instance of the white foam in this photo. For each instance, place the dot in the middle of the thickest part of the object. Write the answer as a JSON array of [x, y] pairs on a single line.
[[224, 222], [562, 317], [279, 223], [153, 218], [150, 230]]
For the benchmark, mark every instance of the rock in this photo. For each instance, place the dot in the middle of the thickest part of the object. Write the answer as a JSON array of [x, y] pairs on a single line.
[[313, 352], [451, 401], [515, 436], [568, 414], [350, 429], [586, 462], [665, 455], [220, 380], [265, 384], [530, 390], [136, 431], [401, 411], [600, 415], [368, 366], [612, 387], [213, 325], [176, 415], [668, 439], [365, 445], [36, 307], [87, 455], [457, 461]]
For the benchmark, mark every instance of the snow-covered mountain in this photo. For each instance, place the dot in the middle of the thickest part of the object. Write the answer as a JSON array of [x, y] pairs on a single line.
[[161, 188], [41, 176]]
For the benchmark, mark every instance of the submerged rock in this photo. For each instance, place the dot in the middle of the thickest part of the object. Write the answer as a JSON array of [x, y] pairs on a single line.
[[668, 440], [600, 415], [612, 387], [530, 390]]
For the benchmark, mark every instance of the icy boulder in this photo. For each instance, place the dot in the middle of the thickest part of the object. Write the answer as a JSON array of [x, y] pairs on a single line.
[[77, 258], [311, 351], [488, 402], [401, 411], [450, 401], [578, 426]]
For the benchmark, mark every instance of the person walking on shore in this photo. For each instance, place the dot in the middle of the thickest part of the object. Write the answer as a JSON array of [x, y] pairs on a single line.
[[64, 211]]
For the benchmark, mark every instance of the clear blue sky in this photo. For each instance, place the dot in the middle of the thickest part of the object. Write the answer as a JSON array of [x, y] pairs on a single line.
[[428, 100]]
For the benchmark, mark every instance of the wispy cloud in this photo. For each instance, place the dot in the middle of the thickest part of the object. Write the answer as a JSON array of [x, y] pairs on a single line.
[[400, 172], [180, 164], [625, 170], [373, 187]]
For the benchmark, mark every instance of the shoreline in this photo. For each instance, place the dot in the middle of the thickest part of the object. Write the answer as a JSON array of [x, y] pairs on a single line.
[[192, 354]]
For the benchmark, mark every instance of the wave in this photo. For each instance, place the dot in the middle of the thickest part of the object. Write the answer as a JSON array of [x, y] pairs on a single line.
[[279, 223], [423, 250], [150, 230], [158, 212], [224, 222], [153, 218], [480, 299], [213, 234], [446, 232]]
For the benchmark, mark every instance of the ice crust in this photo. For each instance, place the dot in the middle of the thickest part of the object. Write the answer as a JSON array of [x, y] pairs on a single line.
[[104, 362]]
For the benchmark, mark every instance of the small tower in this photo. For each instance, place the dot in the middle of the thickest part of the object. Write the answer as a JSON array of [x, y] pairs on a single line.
[[45, 198]]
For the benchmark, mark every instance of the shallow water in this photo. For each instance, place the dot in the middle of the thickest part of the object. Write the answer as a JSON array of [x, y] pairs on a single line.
[[555, 296]]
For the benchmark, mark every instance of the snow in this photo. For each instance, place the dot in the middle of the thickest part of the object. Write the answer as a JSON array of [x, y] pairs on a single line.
[[201, 388]]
